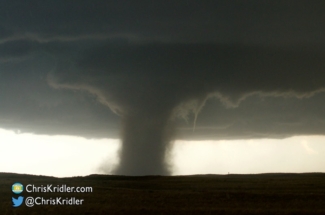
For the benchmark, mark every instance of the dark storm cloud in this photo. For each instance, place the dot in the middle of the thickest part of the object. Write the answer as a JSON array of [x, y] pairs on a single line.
[[259, 117], [120, 75], [181, 77], [183, 21], [227, 70]]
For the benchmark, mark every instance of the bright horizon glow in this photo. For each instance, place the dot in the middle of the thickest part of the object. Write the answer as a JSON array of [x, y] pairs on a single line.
[[295, 155], [66, 156], [60, 156]]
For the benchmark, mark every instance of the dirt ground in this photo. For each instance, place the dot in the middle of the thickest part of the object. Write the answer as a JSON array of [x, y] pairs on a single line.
[[199, 194]]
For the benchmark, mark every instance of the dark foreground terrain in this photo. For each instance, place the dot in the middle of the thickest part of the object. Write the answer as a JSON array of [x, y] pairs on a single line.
[[201, 194]]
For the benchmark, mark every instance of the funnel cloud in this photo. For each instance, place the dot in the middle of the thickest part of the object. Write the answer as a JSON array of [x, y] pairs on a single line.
[[150, 85]]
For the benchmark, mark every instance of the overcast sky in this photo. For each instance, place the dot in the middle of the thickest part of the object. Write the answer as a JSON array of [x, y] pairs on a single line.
[[151, 72]]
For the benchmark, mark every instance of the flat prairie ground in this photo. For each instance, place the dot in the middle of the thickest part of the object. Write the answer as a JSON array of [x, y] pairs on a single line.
[[197, 194]]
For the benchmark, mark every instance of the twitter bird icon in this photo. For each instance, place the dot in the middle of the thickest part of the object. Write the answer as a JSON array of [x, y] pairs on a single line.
[[17, 202]]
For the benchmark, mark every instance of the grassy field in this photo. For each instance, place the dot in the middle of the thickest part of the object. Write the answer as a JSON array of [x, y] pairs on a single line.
[[199, 194]]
